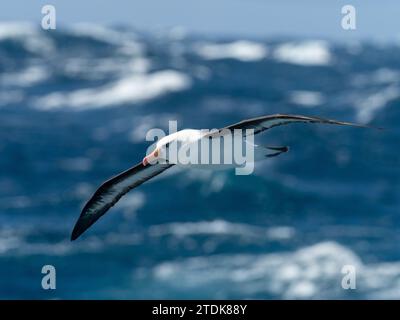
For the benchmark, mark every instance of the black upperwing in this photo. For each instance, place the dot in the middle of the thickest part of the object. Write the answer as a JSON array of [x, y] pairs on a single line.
[[111, 191], [267, 122]]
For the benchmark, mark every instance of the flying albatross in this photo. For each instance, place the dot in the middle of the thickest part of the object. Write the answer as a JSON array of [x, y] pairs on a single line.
[[113, 189]]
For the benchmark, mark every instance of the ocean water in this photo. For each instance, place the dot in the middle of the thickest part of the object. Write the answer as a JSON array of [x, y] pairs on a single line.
[[75, 106]]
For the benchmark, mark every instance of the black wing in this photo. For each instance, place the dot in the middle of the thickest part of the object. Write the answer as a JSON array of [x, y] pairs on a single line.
[[267, 122], [111, 191]]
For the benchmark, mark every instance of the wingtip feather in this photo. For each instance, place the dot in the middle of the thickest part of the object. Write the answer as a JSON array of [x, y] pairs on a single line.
[[75, 233]]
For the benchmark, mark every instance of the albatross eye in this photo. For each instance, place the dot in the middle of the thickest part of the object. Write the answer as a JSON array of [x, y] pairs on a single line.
[[156, 153]]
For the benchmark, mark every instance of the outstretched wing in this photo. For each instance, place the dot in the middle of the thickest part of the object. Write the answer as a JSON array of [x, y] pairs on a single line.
[[267, 122], [111, 191]]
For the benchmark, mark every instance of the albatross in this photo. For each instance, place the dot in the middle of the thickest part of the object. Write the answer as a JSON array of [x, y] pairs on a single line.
[[156, 162]]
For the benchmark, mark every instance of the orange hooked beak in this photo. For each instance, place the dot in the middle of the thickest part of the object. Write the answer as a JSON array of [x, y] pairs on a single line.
[[151, 158]]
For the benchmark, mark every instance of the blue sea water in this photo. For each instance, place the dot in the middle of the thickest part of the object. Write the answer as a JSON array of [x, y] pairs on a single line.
[[75, 106]]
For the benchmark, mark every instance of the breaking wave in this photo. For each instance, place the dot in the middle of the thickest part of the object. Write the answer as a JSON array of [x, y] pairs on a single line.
[[308, 273], [133, 89]]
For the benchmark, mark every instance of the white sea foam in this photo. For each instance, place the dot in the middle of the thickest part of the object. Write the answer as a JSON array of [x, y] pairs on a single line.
[[104, 68], [369, 105], [307, 53], [11, 30], [307, 273], [132, 202], [14, 242], [221, 227], [382, 76], [241, 50], [125, 40], [28, 34], [27, 77], [307, 98], [311, 272], [8, 241], [130, 89]]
